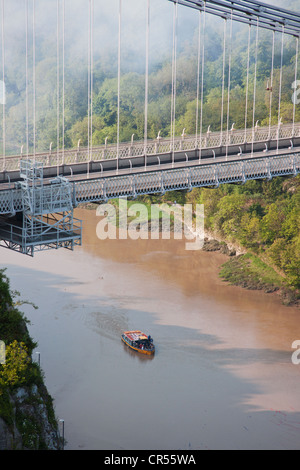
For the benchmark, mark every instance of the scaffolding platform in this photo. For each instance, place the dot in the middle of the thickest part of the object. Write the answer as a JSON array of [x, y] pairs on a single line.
[[46, 221], [14, 237]]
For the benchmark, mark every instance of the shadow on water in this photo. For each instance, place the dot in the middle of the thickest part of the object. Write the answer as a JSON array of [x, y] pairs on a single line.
[[136, 355]]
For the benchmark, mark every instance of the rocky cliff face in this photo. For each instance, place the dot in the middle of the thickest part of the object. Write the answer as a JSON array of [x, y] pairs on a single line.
[[32, 424], [27, 418]]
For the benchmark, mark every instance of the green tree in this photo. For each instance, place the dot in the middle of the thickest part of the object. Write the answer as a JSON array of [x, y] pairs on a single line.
[[230, 209], [291, 224], [13, 372], [276, 252], [272, 223], [249, 231]]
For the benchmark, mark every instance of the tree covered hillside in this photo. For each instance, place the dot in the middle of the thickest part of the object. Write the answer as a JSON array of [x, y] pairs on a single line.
[[27, 418], [261, 216], [48, 93]]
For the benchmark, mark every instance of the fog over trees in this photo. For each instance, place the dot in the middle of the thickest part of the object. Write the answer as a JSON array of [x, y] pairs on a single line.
[[58, 85]]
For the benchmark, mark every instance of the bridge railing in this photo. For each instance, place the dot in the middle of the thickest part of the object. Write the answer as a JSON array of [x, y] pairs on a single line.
[[156, 146], [188, 177]]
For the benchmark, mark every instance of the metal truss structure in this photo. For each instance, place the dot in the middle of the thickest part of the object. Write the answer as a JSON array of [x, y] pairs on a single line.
[[43, 216], [186, 178], [61, 195], [249, 12]]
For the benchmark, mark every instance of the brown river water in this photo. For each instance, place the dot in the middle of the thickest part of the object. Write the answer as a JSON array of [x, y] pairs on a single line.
[[222, 375]]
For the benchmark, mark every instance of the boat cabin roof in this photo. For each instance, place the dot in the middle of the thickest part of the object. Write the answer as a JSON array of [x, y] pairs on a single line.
[[135, 335]]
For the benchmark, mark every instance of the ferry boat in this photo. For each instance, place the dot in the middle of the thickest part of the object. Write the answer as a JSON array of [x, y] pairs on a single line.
[[138, 341]]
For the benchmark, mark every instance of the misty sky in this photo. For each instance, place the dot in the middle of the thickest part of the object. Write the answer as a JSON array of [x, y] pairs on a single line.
[[105, 41], [105, 30], [105, 44]]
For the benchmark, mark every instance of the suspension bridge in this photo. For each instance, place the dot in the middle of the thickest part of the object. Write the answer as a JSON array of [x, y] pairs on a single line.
[[38, 191]]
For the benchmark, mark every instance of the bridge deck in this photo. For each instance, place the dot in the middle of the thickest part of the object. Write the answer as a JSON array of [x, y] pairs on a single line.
[[100, 186]]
